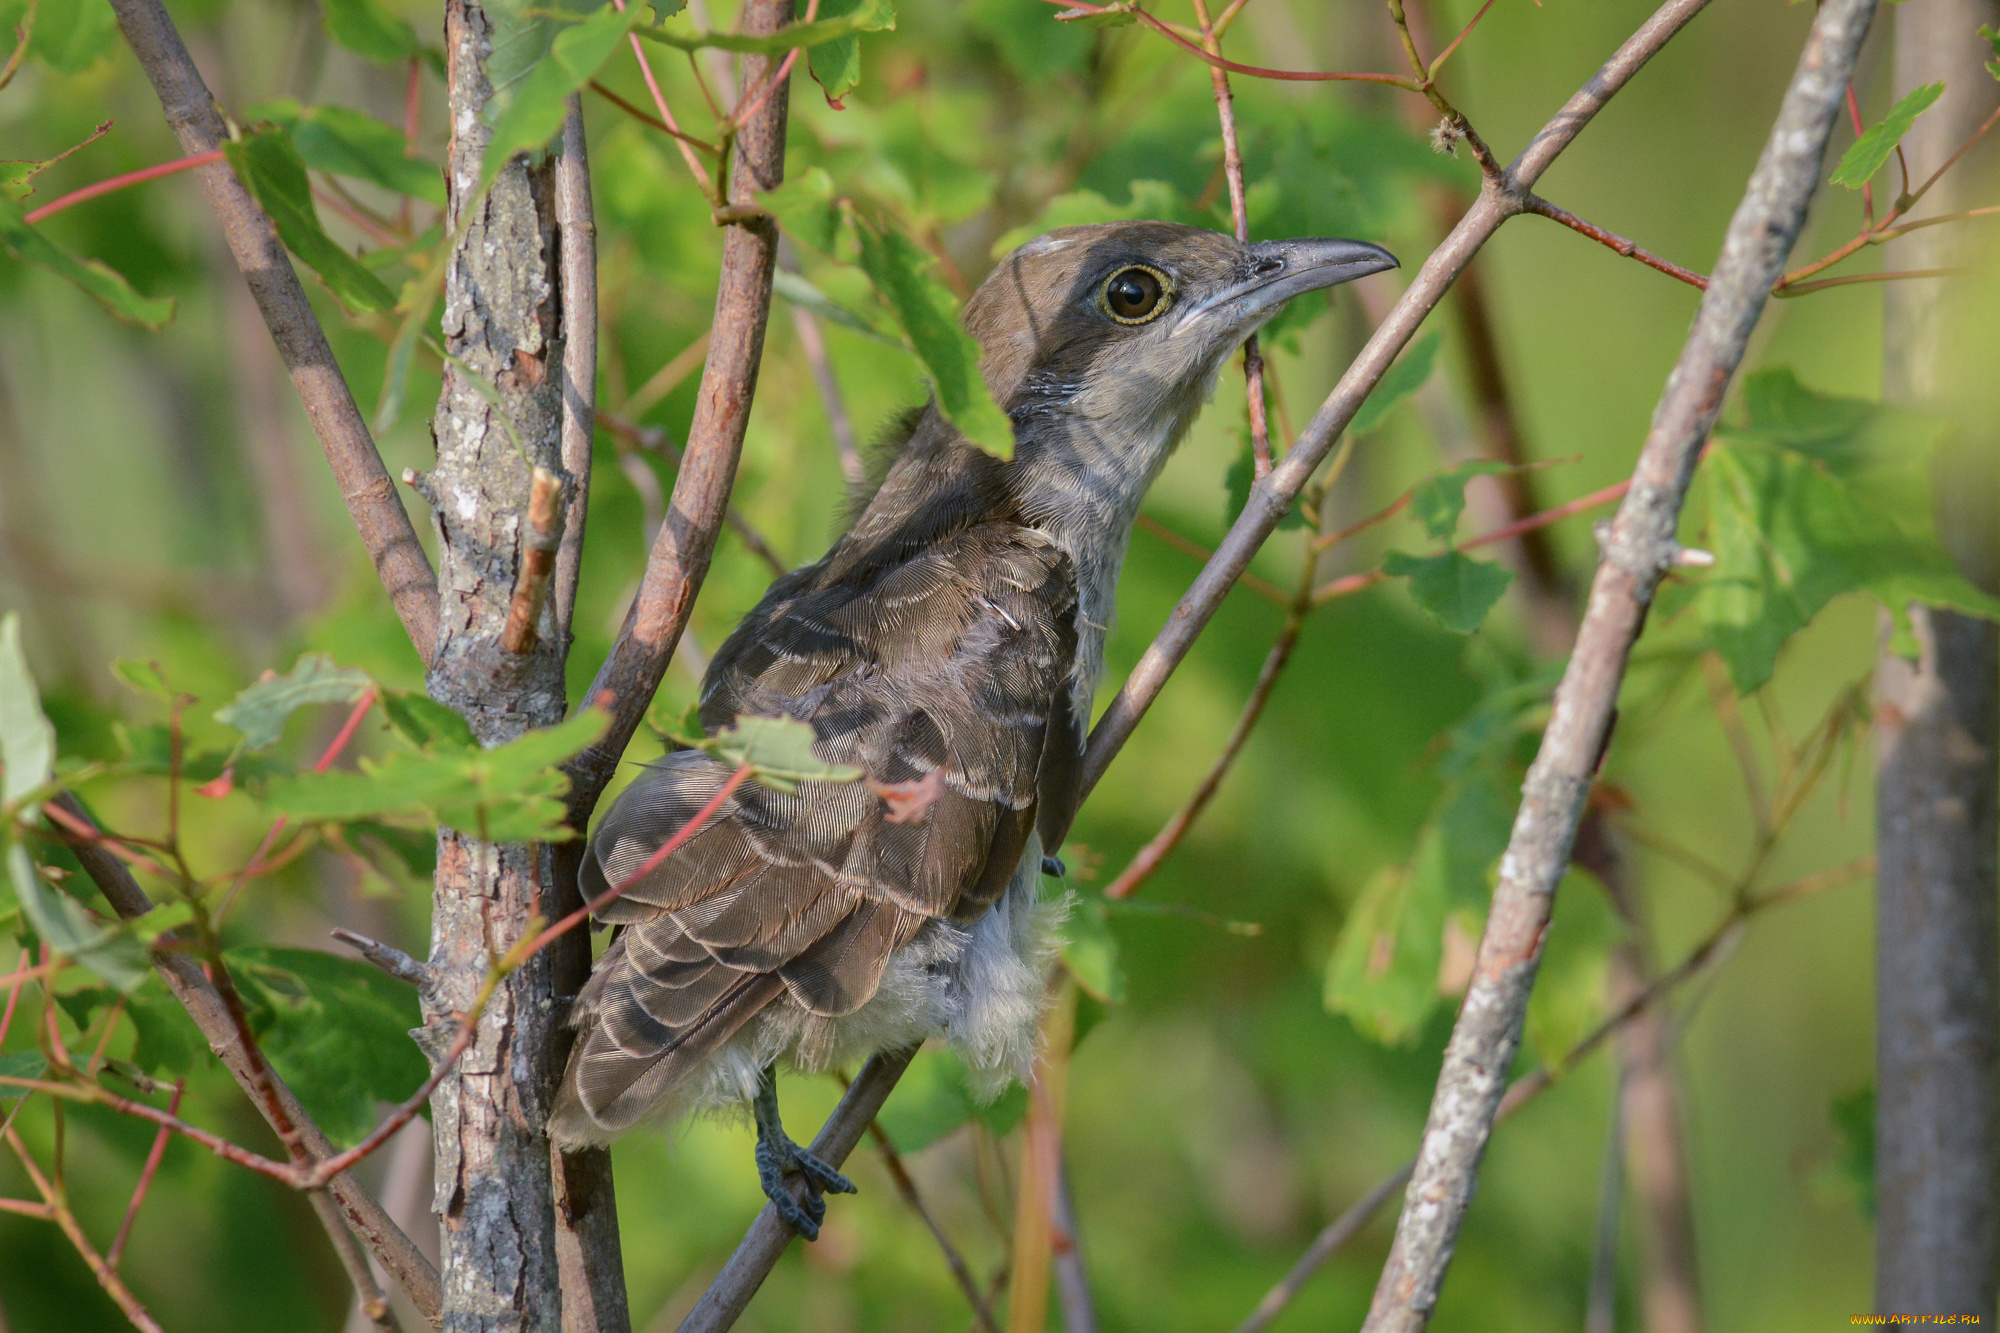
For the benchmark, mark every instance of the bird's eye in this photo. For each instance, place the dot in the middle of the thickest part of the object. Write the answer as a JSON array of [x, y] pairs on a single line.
[[1136, 295]]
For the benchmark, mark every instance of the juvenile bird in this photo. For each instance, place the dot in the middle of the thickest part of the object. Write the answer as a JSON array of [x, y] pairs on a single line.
[[948, 646]]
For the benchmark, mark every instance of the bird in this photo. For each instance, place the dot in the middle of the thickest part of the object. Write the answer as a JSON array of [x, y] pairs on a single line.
[[948, 646]]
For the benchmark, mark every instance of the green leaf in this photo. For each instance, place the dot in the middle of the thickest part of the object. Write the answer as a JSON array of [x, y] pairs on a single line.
[[929, 316], [535, 113], [21, 1064], [1872, 149], [1236, 484], [345, 142], [1992, 40], [424, 722], [269, 166], [27, 738], [1789, 535], [1090, 952], [260, 711], [510, 793], [1438, 502], [109, 951], [71, 35], [100, 282], [1456, 589], [1402, 379], [935, 1096], [337, 1030], [779, 751], [836, 64], [868, 16], [805, 207], [367, 28]]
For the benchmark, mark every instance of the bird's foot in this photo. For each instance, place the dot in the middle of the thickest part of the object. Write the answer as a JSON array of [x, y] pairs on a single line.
[[1053, 867], [780, 1161]]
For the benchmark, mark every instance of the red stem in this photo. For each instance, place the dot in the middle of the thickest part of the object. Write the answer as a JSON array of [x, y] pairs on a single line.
[[120, 182], [146, 1174], [1254, 71]]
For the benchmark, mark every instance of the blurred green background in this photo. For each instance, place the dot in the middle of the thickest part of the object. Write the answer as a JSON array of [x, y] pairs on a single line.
[[161, 497]]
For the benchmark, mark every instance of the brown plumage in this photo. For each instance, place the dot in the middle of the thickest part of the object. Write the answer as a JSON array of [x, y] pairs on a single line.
[[956, 629]]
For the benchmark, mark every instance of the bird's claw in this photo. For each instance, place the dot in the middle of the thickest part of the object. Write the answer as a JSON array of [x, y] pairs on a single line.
[[779, 1158]]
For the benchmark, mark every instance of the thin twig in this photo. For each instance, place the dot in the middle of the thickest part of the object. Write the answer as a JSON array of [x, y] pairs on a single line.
[[960, 1271], [138, 177], [1611, 240], [1232, 174], [1792, 289], [1638, 550], [1169, 31], [1163, 843], [146, 1174], [365, 487], [576, 225], [668, 123], [1263, 587], [387, 957]]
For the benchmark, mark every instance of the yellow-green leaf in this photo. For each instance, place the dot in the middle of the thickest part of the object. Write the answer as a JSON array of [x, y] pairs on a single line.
[[108, 287]]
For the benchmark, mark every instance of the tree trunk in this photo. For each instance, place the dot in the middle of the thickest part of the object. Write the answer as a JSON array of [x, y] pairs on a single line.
[[502, 324], [1937, 1134]]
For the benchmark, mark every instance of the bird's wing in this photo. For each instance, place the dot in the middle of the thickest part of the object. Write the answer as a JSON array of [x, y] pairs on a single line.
[[934, 671]]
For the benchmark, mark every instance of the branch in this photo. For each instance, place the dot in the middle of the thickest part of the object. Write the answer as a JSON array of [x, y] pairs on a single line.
[[576, 226], [1271, 498], [730, 1293], [1638, 550], [1163, 843], [1543, 208], [686, 543], [185, 980], [365, 487]]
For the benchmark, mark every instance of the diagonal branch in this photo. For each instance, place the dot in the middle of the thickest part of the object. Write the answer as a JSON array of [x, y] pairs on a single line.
[[187, 983], [1638, 550], [1271, 498], [686, 542], [365, 487], [729, 1295]]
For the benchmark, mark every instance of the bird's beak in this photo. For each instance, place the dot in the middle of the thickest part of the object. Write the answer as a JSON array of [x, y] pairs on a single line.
[[1280, 270]]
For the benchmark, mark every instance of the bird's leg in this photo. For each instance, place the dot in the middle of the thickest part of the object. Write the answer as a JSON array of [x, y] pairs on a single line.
[[778, 1157]]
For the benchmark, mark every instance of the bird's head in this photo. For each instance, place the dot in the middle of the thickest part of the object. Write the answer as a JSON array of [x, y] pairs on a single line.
[[1128, 322]]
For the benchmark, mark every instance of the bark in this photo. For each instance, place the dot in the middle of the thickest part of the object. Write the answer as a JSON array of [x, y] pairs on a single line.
[[502, 325], [1937, 1154], [1638, 548]]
